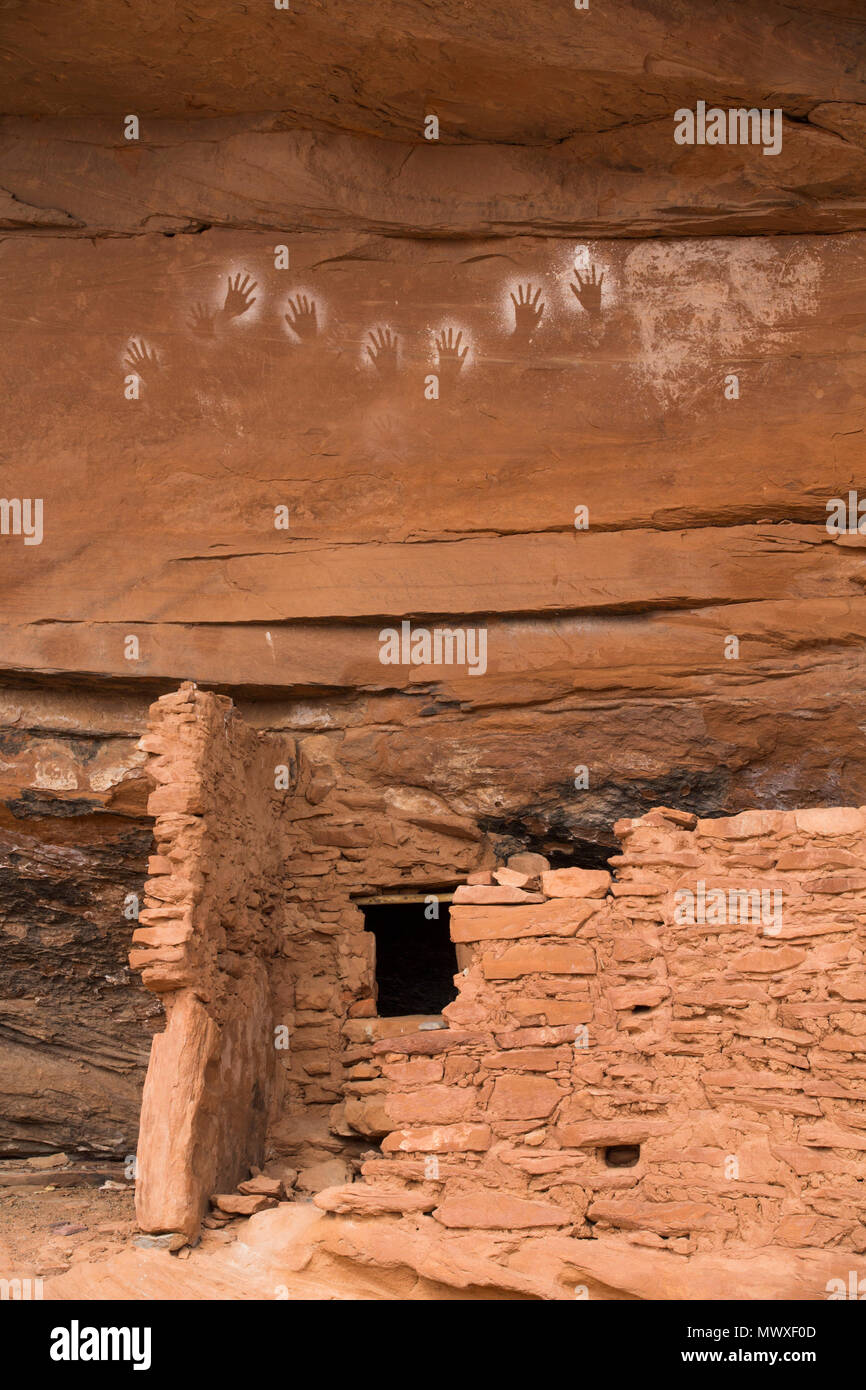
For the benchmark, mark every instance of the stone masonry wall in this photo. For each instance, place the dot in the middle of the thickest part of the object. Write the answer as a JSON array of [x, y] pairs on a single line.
[[205, 944], [714, 1102], [672, 1056], [251, 938]]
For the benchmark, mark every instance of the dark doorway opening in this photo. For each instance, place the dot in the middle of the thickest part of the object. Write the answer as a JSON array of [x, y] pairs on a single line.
[[415, 958]]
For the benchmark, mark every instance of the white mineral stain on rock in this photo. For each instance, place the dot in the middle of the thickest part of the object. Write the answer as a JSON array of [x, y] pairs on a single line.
[[698, 305]]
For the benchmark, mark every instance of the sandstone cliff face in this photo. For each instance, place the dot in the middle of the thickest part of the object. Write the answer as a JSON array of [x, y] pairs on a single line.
[[607, 647]]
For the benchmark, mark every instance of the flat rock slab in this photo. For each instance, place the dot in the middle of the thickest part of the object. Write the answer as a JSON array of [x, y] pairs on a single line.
[[359, 1200], [498, 1211], [575, 883], [261, 1186], [81, 1177], [429, 1044], [481, 920], [495, 893], [165, 1240], [238, 1204]]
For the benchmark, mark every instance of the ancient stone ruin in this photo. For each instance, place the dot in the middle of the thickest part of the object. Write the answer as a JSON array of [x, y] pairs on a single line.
[[432, 759], [647, 1076]]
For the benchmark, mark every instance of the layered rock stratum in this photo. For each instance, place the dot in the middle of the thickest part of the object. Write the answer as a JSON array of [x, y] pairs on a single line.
[[286, 150]]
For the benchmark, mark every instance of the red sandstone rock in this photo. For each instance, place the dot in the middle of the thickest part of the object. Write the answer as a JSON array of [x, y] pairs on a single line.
[[495, 893], [512, 878], [463, 1138], [630, 1129], [261, 1186], [556, 918], [364, 1008], [524, 1097], [575, 883], [543, 960], [664, 1218], [529, 1059], [533, 865], [768, 961], [833, 820], [361, 1200], [383, 1029], [492, 1210], [428, 1044], [540, 1037], [420, 1070], [330, 1172], [829, 1136], [551, 1012], [368, 1115], [432, 1105], [237, 1204]]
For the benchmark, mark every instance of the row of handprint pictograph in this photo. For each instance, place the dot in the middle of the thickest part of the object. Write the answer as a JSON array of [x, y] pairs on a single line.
[[382, 343]]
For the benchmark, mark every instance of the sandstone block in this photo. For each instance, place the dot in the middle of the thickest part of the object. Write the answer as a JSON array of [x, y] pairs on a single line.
[[185, 798], [432, 1105], [499, 1211], [465, 1138], [171, 934], [359, 1200], [539, 960], [837, 883], [331, 1172], [368, 1115], [41, 1161], [166, 1240], [420, 1071], [373, 1029], [562, 917], [830, 820], [237, 1204], [664, 1218], [529, 1059], [524, 1097], [638, 996], [494, 893], [597, 1134], [551, 1012], [431, 1044], [686, 820], [511, 878], [548, 1036], [766, 962], [746, 826], [261, 1186], [830, 1136], [575, 883], [528, 863]]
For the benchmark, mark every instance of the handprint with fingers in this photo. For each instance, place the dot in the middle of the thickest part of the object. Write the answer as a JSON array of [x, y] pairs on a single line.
[[302, 317], [201, 321], [451, 355], [141, 359], [588, 290], [382, 351], [528, 309], [239, 296]]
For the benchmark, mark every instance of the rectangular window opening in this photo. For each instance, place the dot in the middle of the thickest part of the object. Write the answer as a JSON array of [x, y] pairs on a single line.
[[415, 956]]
